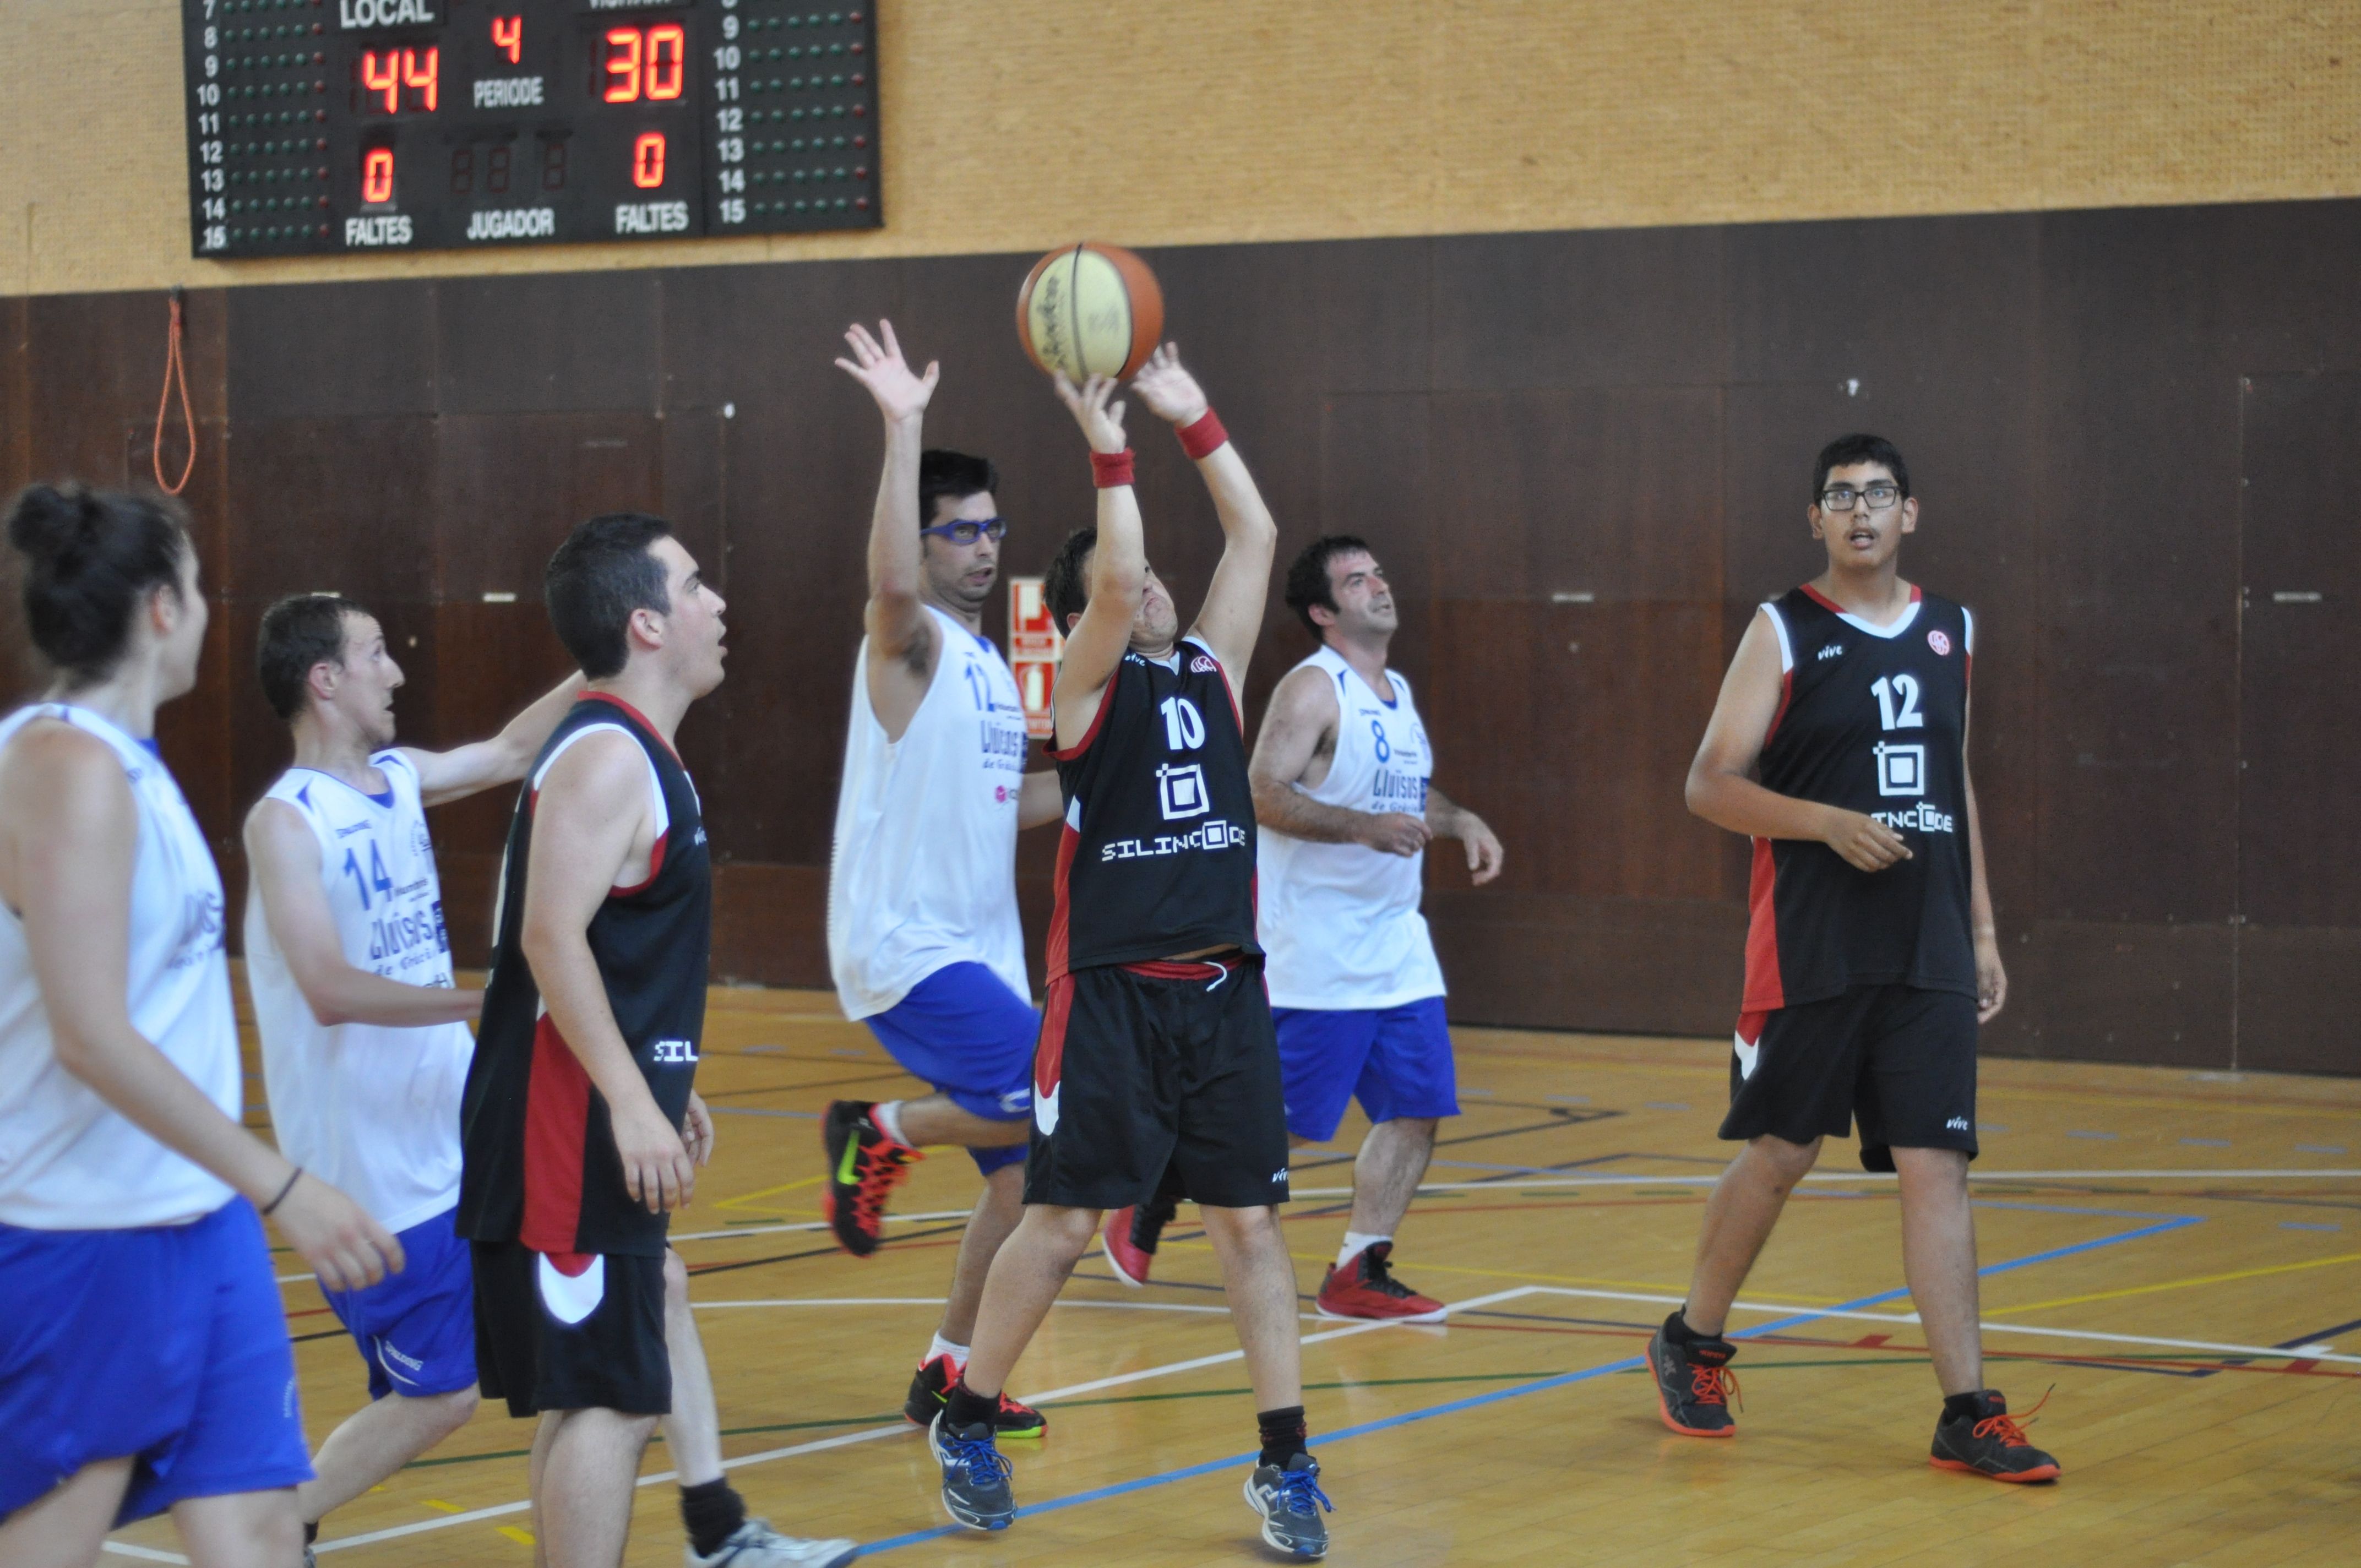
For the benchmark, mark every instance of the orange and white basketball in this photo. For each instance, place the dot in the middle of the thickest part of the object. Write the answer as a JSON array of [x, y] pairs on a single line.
[[1090, 309]]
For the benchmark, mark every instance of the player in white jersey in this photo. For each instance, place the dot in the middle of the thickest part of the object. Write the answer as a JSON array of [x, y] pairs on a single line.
[[365, 1041], [923, 935], [1343, 795], [144, 1358]]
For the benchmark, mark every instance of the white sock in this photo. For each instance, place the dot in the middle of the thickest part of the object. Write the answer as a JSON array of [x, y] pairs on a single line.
[[887, 1115], [958, 1353], [1354, 1245]]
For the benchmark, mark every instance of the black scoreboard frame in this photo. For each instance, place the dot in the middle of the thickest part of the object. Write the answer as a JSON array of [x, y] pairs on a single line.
[[363, 127]]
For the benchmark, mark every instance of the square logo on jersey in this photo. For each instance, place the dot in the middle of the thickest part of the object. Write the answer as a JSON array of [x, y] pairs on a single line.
[[1180, 790], [1901, 770]]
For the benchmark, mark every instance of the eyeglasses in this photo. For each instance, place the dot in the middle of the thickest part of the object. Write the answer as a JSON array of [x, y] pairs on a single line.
[[966, 531], [1840, 497]]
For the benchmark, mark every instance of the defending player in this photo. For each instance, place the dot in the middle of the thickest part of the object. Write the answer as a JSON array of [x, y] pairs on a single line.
[[365, 1040], [1156, 1049], [583, 1078], [1344, 804], [923, 935], [144, 1360], [1840, 746]]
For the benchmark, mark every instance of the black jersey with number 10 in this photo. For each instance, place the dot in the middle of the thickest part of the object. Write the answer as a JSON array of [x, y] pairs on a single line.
[[1158, 855], [1872, 719]]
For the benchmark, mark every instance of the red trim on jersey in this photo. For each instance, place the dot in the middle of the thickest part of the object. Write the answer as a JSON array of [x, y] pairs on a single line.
[[556, 1128], [655, 869], [1185, 969], [1827, 603], [1060, 900], [1765, 992], [1049, 1055], [1106, 700], [1750, 1027], [636, 714], [573, 1265]]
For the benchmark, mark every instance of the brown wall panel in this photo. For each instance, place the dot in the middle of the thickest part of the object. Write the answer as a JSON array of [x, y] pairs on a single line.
[[1547, 960], [333, 505], [770, 925], [488, 661], [335, 350], [546, 344], [510, 486], [2124, 990], [2299, 999]]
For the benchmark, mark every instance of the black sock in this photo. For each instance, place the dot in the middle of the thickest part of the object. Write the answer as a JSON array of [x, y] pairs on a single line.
[[1283, 1434], [1962, 1407], [963, 1407], [311, 1532], [1677, 1330], [712, 1512]]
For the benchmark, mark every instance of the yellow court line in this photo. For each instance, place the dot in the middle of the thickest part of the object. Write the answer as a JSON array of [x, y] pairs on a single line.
[[767, 1191], [521, 1537], [440, 1507], [2177, 1284]]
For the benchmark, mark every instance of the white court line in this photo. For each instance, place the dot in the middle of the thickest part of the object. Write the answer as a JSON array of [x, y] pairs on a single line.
[[938, 1300], [1506, 1184], [1773, 1309]]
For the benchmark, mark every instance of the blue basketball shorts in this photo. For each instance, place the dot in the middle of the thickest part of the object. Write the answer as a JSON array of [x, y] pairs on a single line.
[[165, 1344], [417, 1329], [963, 1031], [1395, 1060]]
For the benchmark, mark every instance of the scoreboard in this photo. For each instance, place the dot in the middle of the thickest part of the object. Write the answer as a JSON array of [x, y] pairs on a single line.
[[333, 127]]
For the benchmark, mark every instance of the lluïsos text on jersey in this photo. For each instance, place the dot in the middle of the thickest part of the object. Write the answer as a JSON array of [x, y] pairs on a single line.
[[399, 940], [1003, 745], [1398, 792]]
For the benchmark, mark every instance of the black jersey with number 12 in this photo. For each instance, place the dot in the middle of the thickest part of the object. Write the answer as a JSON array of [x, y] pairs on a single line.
[[1873, 720]]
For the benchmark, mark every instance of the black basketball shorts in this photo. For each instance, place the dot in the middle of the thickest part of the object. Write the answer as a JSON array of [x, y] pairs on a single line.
[[1145, 1066], [558, 1331], [1900, 1060]]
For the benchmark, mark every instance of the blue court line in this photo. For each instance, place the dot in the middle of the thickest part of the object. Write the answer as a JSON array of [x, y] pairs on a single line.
[[1494, 1397]]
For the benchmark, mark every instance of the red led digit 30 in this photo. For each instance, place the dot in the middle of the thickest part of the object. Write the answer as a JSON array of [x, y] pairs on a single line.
[[646, 63]]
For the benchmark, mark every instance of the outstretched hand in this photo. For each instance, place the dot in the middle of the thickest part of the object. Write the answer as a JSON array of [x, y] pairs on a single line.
[[879, 366], [1168, 390], [1102, 421]]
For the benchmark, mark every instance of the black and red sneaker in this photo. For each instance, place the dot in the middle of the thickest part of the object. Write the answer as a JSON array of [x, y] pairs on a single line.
[[1364, 1288], [1694, 1384], [1991, 1443], [930, 1391], [865, 1165], [1130, 1236]]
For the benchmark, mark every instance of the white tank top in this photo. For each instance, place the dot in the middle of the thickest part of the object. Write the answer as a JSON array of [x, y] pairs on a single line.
[[1340, 922], [68, 1162], [924, 871], [367, 1108]]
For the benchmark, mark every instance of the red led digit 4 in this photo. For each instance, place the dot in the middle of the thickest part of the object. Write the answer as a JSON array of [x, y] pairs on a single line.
[[508, 36], [389, 83], [425, 81]]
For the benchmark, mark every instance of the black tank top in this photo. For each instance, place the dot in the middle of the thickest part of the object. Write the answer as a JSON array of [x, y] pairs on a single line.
[[1158, 855], [1872, 723], [539, 1163]]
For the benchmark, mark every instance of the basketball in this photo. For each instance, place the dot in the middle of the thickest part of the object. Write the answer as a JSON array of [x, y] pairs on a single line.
[[1090, 309]]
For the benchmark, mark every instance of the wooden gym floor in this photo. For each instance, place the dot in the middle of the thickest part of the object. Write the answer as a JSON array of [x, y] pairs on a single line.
[[2176, 1255]]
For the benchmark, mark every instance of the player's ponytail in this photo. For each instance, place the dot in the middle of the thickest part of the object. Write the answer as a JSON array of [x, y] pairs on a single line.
[[90, 557]]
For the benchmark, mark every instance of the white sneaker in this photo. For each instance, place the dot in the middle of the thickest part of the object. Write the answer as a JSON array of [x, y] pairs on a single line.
[[755, 1544]]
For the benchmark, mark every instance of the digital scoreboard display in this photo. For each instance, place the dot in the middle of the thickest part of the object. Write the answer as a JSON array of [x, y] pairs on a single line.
[[324, 126]]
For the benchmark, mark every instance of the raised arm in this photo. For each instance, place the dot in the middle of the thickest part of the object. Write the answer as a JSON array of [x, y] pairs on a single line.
[[1232, 617], [1296, 746], [464, 770], [1721, 786], [1095, 646], [69, 832], [903, 647], [592, 829], [285, 858]]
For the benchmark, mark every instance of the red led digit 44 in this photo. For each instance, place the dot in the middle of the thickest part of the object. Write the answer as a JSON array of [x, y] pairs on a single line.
[[646, 63], [395, 70]]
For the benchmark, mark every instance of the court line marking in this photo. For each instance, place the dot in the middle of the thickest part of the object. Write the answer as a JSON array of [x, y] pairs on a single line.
[[2185, 1284], [1708, 1177]]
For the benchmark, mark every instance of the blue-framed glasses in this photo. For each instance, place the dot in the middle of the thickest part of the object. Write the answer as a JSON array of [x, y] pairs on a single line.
[[967, 530]]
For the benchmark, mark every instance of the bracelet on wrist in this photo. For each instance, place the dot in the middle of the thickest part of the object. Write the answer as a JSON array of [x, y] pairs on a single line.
[[1203, 436], [1109, 469], [296, 1176]]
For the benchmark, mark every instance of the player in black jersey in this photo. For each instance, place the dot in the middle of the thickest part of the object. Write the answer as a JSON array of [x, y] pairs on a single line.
[[1840, 746], [1157, 1051], [580, 1127]]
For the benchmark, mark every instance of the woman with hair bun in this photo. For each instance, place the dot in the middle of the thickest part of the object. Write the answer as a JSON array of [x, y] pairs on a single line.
[[144, 1358]]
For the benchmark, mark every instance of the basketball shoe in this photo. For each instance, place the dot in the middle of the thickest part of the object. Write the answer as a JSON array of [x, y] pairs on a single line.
[[865, 1165], [1290, 1501], [1130, 1236], [930, 1391], [1365, 1288], [755, 1544], [976, 1478], [1694, 1384], [1990, 1443]]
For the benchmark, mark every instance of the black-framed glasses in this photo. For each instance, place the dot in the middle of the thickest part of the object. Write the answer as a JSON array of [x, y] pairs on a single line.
[[967, 530], [1878, 497]]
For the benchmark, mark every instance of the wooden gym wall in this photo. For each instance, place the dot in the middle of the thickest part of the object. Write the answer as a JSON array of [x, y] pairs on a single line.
[[2136, 435]]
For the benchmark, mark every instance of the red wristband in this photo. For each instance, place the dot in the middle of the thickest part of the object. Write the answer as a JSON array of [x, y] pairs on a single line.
[[1203, 438], [1109, 469]]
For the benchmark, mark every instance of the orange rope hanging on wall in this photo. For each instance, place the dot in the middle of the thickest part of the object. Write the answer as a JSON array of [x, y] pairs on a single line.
[[175, 373]]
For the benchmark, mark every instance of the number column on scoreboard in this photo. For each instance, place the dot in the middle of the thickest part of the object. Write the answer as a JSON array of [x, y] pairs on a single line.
[[793, 118], [260, 171]]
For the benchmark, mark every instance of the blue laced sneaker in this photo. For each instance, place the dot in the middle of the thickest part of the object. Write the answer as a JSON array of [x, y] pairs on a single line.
[[975, 1476], [1290, 1501]]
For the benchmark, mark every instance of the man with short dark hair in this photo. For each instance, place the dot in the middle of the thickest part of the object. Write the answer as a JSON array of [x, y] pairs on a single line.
[[365, 1040], [1839, 746], [581, 1126]]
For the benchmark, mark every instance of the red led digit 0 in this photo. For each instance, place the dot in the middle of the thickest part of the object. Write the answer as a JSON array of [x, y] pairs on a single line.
[[389, 83], [667, 59], [508, 36], [412, 77], [624, 65], [376, 175], [648, 160]]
